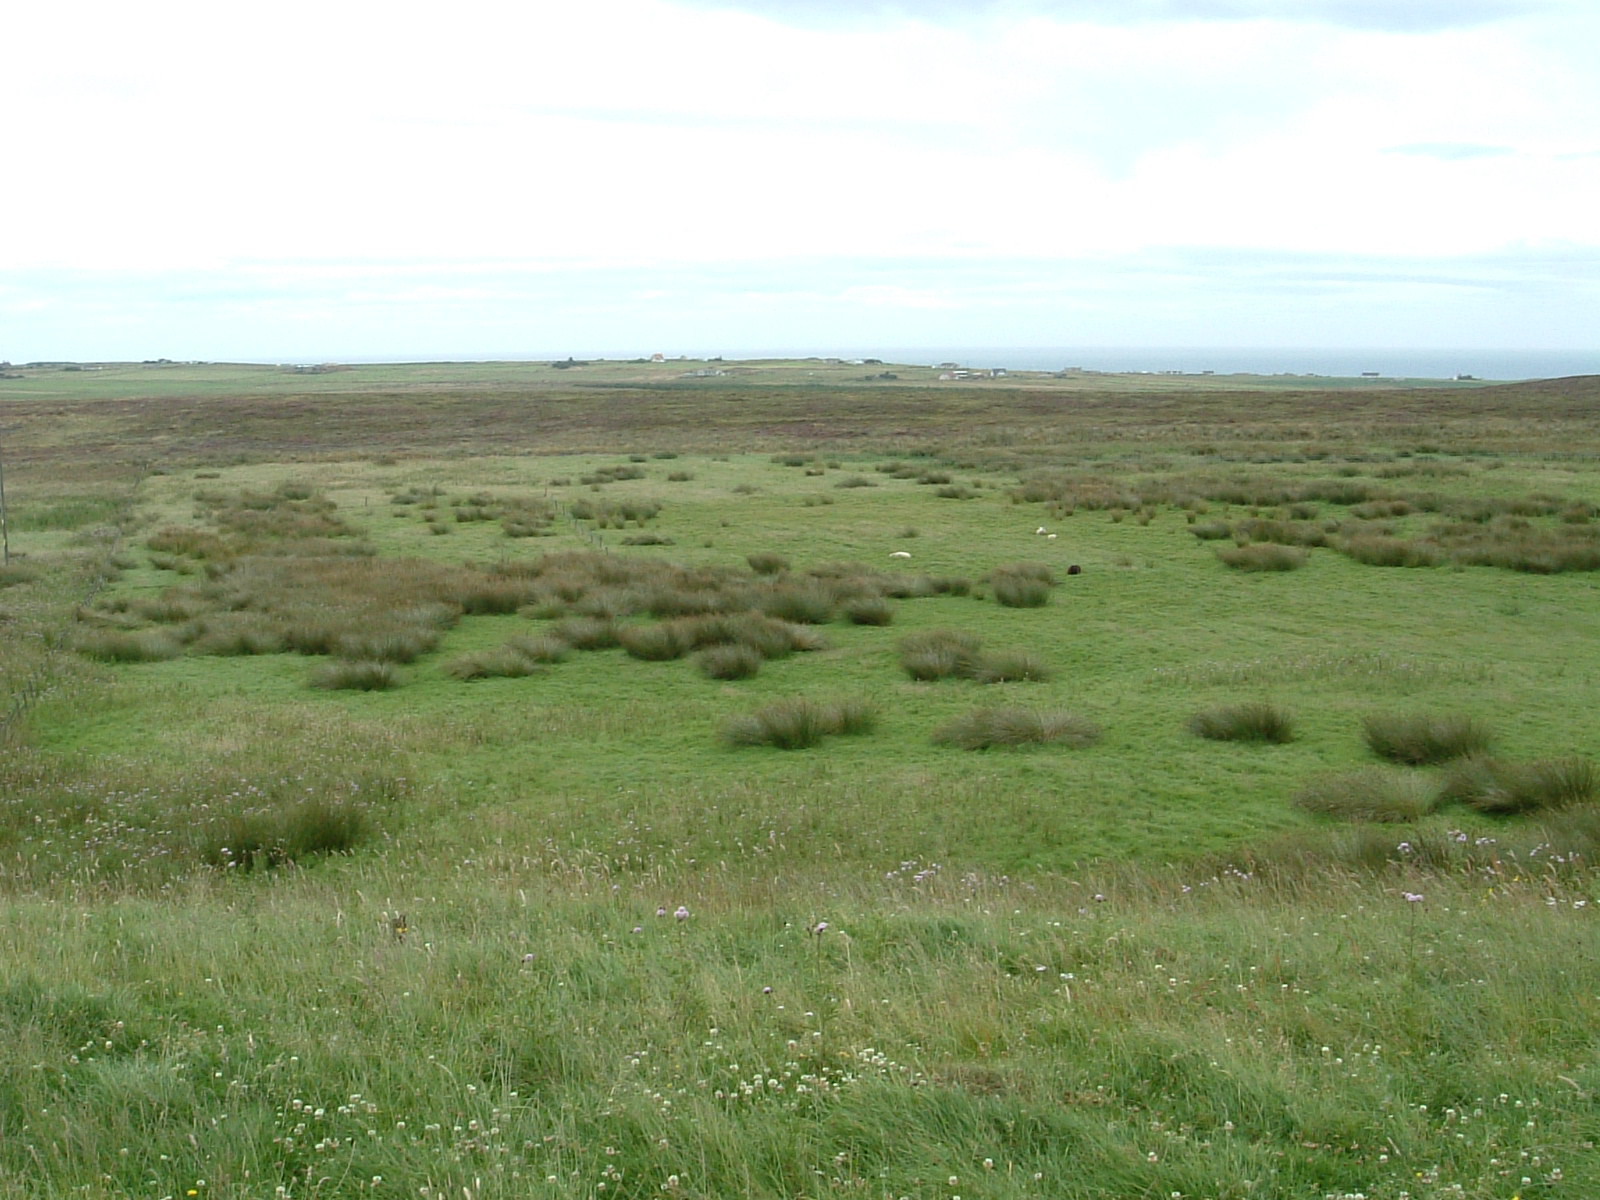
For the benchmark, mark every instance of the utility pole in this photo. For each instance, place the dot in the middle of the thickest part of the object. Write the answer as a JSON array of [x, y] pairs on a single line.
[[5, 532]]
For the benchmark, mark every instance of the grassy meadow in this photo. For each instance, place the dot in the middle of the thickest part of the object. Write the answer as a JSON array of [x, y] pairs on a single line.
[[499, 780]]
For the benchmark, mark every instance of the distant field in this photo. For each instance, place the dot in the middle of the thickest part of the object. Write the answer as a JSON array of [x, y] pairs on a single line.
[[130, 380], [495, 780]]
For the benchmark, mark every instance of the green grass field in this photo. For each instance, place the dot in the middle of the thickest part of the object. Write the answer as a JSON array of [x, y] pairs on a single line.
[[397, 800]]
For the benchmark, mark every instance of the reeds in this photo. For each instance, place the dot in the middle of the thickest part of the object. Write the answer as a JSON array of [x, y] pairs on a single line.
[[987, 728], [1251, 722], [799, 723]]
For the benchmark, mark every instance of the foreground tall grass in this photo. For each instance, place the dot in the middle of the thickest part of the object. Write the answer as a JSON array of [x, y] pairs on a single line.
[[528, 1026]]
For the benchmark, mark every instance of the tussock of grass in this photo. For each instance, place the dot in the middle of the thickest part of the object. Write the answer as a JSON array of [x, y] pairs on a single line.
[[1506, 788], [1420, 739], [765, 562], [233, 636], [1376, 550], [1369, 794], [171, 607], [1011, 666], [1013, 591], [260, 840], [128, 646], [803, 603], [799, 723], [1022, 585], [986, 728], [14, 574], [399, 645], [656, 643], [1263, 556], [540, 648], [1252, 722], [1285, 533], [940, 654], [501, 662], [934, 654], [357, 675], [729, 661], [869, 610], [586, 633]]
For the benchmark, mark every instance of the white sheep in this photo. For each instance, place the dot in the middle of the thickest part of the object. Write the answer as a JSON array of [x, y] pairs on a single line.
[[900, 554], [1040, 529]]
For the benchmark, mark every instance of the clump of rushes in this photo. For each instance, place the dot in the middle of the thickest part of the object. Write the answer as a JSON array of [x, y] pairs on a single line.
[[539, 649], [1369, 794], [729, 661], [402, 645], [804, 603], [129, 646], [767, 563], [940, 654], [656, 643], [1011, 666], [501, 662], [1263, 556], [490, 594], [315, 828], [170, 608], [1022, 585], [1421, 739], [869, 610], [1377, 550], [771, 637], [585, 633], [1505, 788], [986, 728], [1254, 722], [934, 654], [799, 723], [367, 675], [223, 637]]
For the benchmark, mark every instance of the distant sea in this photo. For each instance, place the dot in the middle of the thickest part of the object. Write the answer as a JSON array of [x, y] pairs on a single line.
[[1190, 360], [1391, 363]]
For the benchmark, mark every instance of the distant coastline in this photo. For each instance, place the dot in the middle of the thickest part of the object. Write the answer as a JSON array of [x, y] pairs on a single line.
[[1338, 363]]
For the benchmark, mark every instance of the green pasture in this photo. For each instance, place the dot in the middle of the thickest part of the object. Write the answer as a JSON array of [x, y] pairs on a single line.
[[551, 933]]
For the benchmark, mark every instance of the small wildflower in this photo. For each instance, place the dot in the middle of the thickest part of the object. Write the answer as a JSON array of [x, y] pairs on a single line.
[[1412, 897], [682, 914]]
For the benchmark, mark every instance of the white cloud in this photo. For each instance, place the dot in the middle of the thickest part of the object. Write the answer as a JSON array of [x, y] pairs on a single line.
[[282, 148]]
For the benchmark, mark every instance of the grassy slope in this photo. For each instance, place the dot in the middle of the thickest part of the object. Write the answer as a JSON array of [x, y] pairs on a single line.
[[1283, 1030]]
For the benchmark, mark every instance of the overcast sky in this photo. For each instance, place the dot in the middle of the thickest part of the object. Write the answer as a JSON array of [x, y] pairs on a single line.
[[322, 180]]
